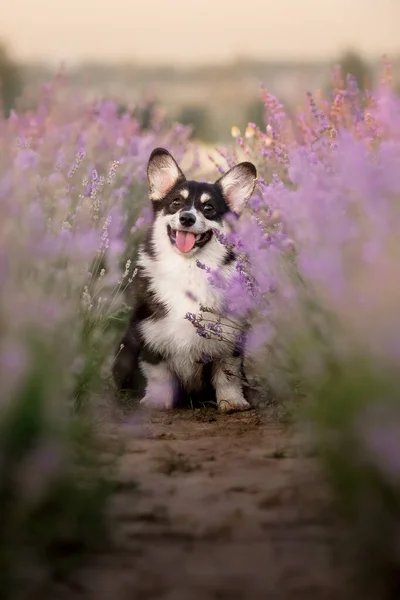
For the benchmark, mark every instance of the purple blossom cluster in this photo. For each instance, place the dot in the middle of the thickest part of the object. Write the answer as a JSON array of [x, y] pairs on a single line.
[[324, 222], [72, 179], [317, 275]]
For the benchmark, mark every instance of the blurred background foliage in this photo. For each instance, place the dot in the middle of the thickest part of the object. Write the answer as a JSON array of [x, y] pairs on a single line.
[[210, 99], [11, 80]]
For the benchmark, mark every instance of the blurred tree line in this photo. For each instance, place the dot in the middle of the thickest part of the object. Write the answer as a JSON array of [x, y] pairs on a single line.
[[208, 123], [353, 64], [10, 80], [204, 122]]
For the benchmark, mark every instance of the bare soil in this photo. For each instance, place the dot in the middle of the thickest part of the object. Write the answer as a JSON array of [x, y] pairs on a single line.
[[214, 507]]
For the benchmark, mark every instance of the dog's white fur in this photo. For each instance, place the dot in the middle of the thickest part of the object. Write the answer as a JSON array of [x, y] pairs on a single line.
[[183, 287]]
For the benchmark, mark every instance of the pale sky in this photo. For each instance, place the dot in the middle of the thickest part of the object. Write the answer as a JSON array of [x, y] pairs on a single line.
[[196, 31]]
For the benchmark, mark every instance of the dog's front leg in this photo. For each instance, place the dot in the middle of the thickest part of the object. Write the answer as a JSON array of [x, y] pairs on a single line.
[[161, 388], [227, 381]]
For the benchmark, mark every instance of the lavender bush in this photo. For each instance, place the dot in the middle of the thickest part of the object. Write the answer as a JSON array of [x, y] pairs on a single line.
[[72, 185], [321, 247], [317, 277]]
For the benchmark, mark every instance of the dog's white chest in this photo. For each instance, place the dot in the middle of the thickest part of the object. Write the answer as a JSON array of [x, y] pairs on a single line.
[[182, 287], [181, 293]]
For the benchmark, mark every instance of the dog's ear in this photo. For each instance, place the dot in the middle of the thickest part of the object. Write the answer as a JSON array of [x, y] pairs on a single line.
[[163, 174], [237, 185]]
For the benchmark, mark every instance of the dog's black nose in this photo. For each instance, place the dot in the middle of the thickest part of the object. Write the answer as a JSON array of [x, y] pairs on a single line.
[[187, 219]]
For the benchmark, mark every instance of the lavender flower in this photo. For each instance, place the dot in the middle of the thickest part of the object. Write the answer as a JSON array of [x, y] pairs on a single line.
[[65, 169]]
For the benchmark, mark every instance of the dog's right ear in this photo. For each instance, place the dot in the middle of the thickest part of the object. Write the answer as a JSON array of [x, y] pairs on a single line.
[[163, 174], [237, 185]]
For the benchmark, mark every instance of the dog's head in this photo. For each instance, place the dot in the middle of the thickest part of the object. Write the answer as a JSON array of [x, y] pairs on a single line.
[[191, 211]]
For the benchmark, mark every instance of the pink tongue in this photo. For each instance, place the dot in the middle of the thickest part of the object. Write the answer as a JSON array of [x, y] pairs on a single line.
[[185, 240]]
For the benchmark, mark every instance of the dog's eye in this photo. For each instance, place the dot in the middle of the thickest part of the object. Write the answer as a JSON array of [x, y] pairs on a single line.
[[176, 203], [209, 211]]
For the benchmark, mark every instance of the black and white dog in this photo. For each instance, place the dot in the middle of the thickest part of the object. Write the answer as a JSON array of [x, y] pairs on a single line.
[[160, 344]]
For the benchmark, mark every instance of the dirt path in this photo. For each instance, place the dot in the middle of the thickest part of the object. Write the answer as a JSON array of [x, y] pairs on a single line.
[[215, 507]]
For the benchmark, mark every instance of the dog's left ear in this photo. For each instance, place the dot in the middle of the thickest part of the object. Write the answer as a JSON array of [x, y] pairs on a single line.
[[237, 185], [163, 173]]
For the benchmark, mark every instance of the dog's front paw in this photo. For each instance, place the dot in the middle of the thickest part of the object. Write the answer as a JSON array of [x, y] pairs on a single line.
[[233, 403], [157, 402]]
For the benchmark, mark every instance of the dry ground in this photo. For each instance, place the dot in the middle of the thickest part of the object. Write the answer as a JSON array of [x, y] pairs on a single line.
[[214, 507]]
